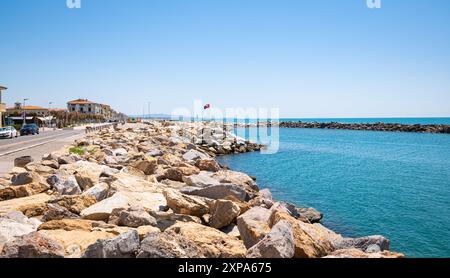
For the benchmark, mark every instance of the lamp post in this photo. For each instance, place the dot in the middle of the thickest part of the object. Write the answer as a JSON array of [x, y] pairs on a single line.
[[24, 111], [49, 113]]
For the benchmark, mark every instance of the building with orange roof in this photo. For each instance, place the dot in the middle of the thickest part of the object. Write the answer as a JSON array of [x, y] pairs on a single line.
[[31, 110], [85, 106]]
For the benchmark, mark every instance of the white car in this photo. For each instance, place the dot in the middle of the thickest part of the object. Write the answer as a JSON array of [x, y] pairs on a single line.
[[8, 132]]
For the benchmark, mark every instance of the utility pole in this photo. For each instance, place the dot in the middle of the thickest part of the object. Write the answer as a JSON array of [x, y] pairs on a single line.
[[24, 111], [149, 115], [49, 113]]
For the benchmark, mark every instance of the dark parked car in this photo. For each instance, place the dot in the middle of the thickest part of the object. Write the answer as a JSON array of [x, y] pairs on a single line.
[[29, 129]]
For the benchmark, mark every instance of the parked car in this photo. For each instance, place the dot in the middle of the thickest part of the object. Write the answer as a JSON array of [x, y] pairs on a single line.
[[29, 129], [8, 132]]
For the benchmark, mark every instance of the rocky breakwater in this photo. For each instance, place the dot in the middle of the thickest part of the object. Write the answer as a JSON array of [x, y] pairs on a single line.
[[445, 129], [148, 191]]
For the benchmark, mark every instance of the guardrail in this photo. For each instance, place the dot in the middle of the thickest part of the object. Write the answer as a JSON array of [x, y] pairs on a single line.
[[90, 129]]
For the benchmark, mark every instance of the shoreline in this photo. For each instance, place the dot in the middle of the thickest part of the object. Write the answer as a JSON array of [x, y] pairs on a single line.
[[158, 188]]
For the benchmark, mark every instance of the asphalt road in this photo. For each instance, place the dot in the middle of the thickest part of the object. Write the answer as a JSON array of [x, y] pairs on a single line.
[[34, 145]]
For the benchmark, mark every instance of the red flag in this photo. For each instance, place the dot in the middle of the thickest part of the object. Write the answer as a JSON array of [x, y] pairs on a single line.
[[207, 106]]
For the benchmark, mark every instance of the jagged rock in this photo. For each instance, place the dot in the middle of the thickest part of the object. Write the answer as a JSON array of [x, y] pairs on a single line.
[[99, 191], [21, 191], [362, 243], [253, 225], [356, 253], [306, 246], [68, 159], [238, 178], [87, 173], [64, 184], [76, 203], [21, 204], [15, 224], [125, 245], [184, 204], [167, 245], [311, 214], [50, 163], [155, 153], [120, 152], [102, 210], [68, 225], [243, 206], [133, 217], [192, 155], [203, 179], [22, 161], [223, 213], [25, 178], [39, 169], [32, 245], [207, 165], [177, 173], [231, 230], [147, 165], [264, 199], [108, 172], [373, 248], [75, 242], [278, 243], [219, 191], [57, 212]]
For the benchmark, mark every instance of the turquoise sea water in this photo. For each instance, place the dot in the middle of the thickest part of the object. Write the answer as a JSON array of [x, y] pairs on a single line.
[[365, 183]]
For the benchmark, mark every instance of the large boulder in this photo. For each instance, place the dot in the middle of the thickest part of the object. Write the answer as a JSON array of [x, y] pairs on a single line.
[[87, 173], [22, 161], [74, 204], [23, 204], [99, 191], [223, 213], [57, 212], [207, 165], [362, 243], [184, 204], [253, 225], [191, 240], [311, 214], [147, 165], [219, 191], [167, 219], [15, 224], [133, 217], [64, 184], [32, 245], [193, 155], [26, 178], [177, 173], [238, 178], [125, 245], [203, 179], [11, 192], [306, 245], [279, 243], [103, 209]]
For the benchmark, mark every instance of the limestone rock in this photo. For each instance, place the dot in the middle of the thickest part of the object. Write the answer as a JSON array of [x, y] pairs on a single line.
[[20, 204], [203, 179], [185, 204], [147, 165], [15, 224], [208, 165], [125, 245], [192, 155], [279, 243], [50, 163], [99, 191], [74, 204], [26, 178], [253, 225], [64, 184], [167, 219], [219, 191], [144, 231], [238, 178], [133, 217], [32, 245], [57, 212], [311, 214], [362, 243], [223, 213], [102, 210]]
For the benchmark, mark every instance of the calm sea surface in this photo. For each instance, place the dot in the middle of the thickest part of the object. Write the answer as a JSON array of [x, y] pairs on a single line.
[[365, 183]]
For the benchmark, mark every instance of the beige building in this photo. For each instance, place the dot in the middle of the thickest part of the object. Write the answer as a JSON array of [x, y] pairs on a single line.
[[2, 105], [84, 106]]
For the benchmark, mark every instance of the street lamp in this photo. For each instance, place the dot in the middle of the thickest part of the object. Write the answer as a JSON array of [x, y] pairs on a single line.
[[24, 111], [49, 113]]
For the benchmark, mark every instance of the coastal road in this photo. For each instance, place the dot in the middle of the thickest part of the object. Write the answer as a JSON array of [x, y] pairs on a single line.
[[35, 146]]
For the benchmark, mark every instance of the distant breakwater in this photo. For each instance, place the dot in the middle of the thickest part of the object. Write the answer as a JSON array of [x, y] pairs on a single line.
[[418, 128]]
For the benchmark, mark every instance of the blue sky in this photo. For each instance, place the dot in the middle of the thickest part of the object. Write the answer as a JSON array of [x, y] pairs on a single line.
[[310, 58]]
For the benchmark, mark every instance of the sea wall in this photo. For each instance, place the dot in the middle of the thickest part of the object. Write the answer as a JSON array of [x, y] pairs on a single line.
[[156, 190], [372, 127]]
